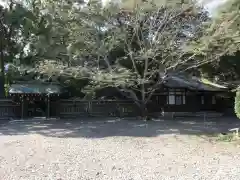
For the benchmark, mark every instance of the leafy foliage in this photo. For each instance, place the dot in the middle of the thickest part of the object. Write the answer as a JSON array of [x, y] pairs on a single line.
[[23, 28], [222, 39]]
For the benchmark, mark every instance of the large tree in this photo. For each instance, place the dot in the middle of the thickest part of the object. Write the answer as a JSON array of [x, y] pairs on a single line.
[[132, 50], [11, 47]]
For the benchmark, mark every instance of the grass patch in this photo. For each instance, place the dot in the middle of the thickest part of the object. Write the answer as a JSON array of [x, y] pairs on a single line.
[[228, 137], [221, 137]]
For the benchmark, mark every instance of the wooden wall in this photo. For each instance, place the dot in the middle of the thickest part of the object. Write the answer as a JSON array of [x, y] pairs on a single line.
[[190, 101]]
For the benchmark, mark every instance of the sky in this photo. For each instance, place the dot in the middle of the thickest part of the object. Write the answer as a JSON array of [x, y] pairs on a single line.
[[210, 5]]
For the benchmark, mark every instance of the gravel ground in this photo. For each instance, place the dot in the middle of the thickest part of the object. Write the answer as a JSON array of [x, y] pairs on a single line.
[[116, 150]]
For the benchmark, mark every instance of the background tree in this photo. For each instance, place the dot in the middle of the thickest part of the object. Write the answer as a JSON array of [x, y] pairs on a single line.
[[222, 39], [23, 30]]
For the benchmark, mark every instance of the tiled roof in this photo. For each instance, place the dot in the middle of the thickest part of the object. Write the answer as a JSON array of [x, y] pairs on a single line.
[[192, 83], [28, 88]]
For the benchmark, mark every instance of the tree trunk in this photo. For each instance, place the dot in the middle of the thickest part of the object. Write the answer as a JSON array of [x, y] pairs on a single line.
[[143, 103], [144, 111]]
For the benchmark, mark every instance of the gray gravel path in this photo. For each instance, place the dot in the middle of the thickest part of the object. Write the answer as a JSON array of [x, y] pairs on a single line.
[[129, 150]]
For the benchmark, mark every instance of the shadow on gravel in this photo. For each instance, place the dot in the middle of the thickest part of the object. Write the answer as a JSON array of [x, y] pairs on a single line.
[[100, 128]]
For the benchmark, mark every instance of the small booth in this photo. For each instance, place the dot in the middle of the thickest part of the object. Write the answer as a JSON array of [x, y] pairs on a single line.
[[36, 99]]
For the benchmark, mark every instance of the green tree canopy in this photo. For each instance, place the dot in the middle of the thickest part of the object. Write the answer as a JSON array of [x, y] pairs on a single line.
[[221, 39]]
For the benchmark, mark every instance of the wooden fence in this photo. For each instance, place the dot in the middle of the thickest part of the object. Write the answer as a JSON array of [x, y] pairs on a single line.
[[9, 109], [109, 108], [71, 109]]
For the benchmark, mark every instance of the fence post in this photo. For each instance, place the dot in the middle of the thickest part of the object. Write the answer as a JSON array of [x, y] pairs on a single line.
[[89, 108], [204, 119], [22, 108]]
